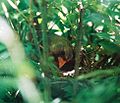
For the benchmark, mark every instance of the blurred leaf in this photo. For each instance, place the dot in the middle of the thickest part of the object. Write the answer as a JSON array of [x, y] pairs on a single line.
[[2, 47], [110, 47]]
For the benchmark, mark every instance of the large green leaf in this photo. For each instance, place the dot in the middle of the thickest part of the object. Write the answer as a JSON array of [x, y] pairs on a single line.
[[110, 47]]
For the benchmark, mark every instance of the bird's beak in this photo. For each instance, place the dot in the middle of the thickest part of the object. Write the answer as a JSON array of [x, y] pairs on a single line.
[[61, 62]]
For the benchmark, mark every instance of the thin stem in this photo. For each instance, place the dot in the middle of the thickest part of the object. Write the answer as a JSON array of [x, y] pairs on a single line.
[[78, 42], [100, 73], [45, 49], [44, 29]]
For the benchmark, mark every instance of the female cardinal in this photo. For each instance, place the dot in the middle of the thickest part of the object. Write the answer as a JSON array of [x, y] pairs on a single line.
[[62, 51]]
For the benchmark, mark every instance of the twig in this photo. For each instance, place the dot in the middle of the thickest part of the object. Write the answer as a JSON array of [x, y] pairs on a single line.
[[78, 41]]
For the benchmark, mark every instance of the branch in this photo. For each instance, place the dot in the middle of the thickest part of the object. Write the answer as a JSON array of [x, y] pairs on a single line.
[[78, 41]]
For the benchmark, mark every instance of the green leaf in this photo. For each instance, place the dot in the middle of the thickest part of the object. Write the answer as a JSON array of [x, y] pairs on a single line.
[[110, 47], [105, 36], [2, 47]]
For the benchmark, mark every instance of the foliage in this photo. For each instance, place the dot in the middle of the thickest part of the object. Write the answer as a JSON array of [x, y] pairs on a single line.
[[94, 35]]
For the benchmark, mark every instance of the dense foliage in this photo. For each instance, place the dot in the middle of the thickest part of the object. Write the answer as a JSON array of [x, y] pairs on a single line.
[[90, 27]]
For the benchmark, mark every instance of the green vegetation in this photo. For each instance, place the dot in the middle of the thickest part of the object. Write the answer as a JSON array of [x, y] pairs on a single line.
[[42, 39]]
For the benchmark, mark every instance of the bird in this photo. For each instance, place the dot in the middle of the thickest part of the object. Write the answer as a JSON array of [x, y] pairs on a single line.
[[62, 51]]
